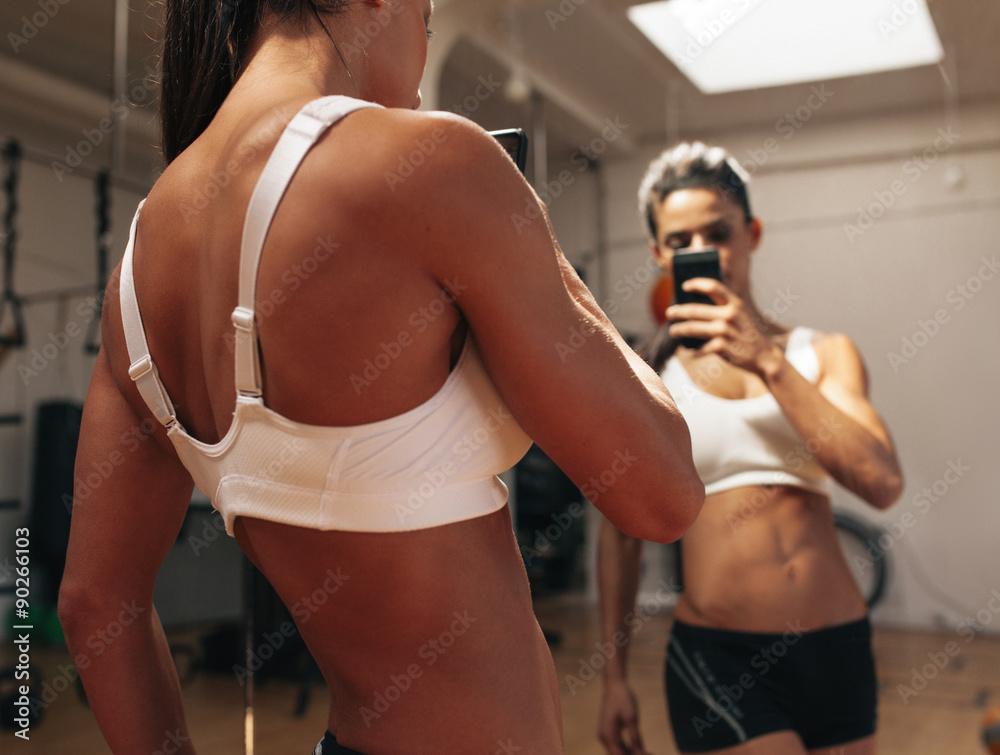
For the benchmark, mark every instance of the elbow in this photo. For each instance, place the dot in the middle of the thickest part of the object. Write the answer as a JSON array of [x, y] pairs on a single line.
[[685, 506], [78, 609], [887, 492], [71, 610], [667, 516]]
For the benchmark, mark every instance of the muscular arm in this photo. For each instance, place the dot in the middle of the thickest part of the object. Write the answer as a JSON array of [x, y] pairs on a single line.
[[833, 416], [568, 377], [618, 560], [120, 533], [854, 445]]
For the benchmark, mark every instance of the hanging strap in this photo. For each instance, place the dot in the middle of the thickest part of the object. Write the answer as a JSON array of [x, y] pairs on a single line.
[[142, 370], [299, 136], [12, 158], [102, 191]]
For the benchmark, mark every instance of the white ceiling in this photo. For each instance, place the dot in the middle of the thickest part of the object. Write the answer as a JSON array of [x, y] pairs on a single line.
[[586, 59]]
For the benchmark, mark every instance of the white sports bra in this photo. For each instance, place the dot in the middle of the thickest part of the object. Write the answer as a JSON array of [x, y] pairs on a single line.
[[432, 465], [740, 442]]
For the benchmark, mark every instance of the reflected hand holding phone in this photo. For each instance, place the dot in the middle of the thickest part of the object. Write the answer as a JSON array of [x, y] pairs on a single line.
[[687, 264]]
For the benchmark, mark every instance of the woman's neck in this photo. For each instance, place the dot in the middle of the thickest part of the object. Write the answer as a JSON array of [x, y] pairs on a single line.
[[289, 58]]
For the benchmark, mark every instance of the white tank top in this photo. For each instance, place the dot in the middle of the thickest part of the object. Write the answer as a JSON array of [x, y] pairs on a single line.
[[741, 442], [435, 464]]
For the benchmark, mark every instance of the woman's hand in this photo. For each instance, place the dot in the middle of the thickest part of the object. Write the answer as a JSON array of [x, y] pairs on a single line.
[[860, 455], [619, 720], [731, 329]]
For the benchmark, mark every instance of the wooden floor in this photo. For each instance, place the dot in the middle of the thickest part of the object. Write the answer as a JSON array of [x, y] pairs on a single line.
[[944, 718]]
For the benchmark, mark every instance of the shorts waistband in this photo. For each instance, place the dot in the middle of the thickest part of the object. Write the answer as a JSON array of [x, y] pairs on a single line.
[[854, 628]]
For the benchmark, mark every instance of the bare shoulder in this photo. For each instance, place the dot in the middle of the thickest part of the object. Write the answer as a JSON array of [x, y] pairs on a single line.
[[423, 157], [440, 185]]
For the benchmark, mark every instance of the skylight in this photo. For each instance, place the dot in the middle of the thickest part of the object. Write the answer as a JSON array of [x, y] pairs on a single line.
[[729, 45]]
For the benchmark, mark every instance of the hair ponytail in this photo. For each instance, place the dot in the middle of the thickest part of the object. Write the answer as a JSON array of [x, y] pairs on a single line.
[[657, 350], [205, 43]]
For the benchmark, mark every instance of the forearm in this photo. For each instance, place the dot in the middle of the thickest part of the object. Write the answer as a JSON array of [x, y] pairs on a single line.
[[618, 560], [131, 681], [658, 434], [860, 459]]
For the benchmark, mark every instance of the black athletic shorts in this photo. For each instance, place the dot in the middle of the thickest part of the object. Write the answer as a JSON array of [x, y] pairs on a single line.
[[724, 688], [329, 746]]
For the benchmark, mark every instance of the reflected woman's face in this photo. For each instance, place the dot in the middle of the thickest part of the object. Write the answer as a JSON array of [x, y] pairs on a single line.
[[702, 218]]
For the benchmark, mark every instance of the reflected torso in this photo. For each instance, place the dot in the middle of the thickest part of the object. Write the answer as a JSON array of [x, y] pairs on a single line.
[[761, 557]]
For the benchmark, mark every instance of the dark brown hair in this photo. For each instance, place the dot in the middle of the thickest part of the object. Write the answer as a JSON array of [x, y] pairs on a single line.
[[205, 43], [692, 165]]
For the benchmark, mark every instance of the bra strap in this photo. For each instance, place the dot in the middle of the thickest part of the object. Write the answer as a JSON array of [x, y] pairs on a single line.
[[142, 370], [800, 353], [297, 139]]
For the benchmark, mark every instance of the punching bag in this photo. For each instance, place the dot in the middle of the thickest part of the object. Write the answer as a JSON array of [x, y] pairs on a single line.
[[57, 430]]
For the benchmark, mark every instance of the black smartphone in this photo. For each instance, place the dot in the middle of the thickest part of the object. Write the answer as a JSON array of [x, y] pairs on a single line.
[[687, 265], [515, 142]]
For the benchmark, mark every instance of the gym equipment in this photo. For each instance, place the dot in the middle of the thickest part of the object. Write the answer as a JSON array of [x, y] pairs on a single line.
[[661, 297], [866, 558], [991, 730], [57, 431], [14, 336], [102, 186]]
